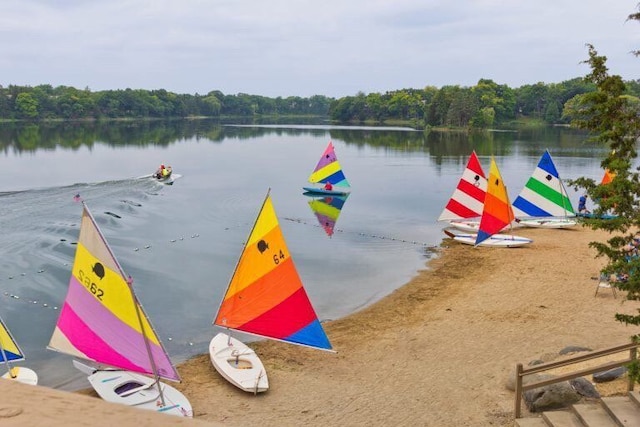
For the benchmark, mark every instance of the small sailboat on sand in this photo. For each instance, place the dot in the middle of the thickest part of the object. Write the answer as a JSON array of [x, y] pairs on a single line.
[[328, 171], [9, 353], [101, 321], [544, 202], [266, 298], [496, 215], [464, 208]]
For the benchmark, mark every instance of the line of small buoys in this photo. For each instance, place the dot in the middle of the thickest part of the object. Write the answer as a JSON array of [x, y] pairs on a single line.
[[375, 236], [193, 236]]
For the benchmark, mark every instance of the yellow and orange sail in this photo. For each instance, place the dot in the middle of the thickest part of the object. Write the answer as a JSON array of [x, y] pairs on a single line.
[[497, 212]]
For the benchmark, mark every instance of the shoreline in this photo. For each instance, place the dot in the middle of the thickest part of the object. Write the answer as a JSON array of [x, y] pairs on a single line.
[[437, 351]]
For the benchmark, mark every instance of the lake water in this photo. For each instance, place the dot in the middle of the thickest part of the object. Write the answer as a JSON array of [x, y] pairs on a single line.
[[180, 243]]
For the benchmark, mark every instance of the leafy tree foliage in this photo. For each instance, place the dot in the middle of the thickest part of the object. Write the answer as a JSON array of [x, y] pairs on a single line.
[[613, 118]]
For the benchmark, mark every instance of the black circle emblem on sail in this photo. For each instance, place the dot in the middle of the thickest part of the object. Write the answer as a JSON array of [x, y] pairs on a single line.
[[477, 181], [98, 269], [262, 246], [548, 177], [497, 182]]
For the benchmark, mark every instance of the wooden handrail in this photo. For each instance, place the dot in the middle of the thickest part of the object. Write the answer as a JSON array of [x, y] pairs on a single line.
[[522, 372]]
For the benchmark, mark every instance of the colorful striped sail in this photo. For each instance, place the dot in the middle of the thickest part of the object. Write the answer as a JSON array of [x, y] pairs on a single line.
[[497, 212], [101, 319], [10, 352], [327, 210], [468, 198], [328, 169], [265, 296], [544, 194]]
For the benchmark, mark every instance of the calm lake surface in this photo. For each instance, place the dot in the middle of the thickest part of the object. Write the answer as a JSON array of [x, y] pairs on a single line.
[[180, 243]]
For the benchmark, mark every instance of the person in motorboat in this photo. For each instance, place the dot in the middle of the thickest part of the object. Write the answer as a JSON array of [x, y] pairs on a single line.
[[328, 186], [163, 172]]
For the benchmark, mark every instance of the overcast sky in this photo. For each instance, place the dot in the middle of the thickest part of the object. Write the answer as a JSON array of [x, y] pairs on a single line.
[[309, 47]]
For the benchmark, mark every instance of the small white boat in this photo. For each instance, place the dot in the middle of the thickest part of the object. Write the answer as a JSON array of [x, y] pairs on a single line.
[[132, 389], [238, 364], [496, 240], [547, 222], [469, 226], [22, 375]]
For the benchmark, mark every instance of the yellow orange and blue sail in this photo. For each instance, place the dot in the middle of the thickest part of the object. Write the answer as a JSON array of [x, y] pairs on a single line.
[[328, 169], [10, 350], [467, 200], [265, 296], [497, 212], [327, 210], [544, 194], [101, 320]]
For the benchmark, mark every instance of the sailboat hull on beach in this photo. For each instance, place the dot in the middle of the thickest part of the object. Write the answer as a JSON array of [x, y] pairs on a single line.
[[238, 364], [10, 352]]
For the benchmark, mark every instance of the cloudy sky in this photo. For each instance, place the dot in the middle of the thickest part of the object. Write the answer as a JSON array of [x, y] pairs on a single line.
[[309, 47]]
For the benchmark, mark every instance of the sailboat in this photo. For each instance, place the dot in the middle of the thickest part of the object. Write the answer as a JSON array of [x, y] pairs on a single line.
[[607, 178], [10, 352], [329, 172], [464, 208], [265, 297], [327, 209], [496, 215], [102, 322], [544, 202]]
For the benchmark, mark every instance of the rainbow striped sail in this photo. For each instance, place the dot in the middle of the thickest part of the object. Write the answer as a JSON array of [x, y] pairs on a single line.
[[544, 194], [101, 319], [327, 210], [265, 296], [497, 212], [9, 350], [467, 200], [328, 169]]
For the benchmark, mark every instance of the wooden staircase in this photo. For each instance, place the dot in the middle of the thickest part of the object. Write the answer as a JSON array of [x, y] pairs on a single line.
[[614, 411]]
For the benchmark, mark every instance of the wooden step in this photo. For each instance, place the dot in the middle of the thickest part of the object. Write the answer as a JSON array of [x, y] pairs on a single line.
[[635, 397], [561, 419], [593, 415], [531, 422], [623, 410]]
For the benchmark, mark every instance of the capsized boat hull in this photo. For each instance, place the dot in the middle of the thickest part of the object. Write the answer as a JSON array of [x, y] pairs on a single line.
[[137, 390], [497, 240], [238, 364], [311, 191], [22, 375], [557, 223]]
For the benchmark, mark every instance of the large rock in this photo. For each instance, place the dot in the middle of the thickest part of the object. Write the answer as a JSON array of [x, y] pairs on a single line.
[[554, 396]]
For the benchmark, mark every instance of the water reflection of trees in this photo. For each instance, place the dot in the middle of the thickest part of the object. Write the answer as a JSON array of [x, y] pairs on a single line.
[[450, 144]]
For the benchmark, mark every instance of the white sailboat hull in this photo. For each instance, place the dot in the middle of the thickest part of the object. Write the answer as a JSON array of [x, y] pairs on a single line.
[[557, 223], [238, 364], [497, 240], [469, 226], [136, 390], [22, 375]]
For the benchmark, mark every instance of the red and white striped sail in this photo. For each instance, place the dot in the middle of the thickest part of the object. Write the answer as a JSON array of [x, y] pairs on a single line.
[[467, 200]]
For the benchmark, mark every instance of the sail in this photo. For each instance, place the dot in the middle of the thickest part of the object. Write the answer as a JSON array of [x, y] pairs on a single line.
[[327, 210], [265, 296], [608, 177], [544, 194], [10, 350], [101, 319], [328, 169], [468, 197], [497, 212]]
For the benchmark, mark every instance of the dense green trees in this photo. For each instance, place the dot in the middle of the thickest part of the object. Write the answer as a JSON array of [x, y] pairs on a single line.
[[484, 105]]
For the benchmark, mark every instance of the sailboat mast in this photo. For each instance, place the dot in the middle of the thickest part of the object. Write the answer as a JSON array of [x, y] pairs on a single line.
[[127, 278]]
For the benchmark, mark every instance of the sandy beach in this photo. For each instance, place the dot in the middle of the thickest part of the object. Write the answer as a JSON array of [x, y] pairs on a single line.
[[436, 352]]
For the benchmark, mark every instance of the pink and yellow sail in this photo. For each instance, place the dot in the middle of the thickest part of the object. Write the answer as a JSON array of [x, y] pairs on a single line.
[[101, 319], [497, 212], [265, 296], [467, 200]]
